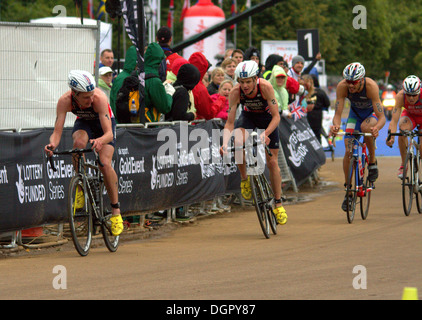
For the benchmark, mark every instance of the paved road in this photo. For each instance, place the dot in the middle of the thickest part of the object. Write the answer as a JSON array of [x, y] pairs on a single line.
[[317, 255]]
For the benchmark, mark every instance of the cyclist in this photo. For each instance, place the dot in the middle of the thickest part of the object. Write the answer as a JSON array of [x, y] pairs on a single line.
[[260, 110], [94, 123], [410, 99], [366, 114]]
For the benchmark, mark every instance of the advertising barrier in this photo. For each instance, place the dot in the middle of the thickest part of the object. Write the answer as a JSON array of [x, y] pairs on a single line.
[[157, 168]]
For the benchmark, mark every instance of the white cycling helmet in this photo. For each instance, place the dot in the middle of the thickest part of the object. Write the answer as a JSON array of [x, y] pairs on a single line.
[[81, 81], [412, 85], [246, 69], [354, 71]]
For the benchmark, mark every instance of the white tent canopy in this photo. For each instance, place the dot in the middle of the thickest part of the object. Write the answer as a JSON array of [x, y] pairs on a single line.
[[105, 28]]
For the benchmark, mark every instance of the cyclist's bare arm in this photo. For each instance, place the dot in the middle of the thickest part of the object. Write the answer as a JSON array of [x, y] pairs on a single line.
[[341, 93], [268, 94], [396, 116], [61, 111], [234, 98], [100, 105], [372, 91]]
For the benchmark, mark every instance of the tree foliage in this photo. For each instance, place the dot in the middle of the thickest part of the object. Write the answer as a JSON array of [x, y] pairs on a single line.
[[391, 41]]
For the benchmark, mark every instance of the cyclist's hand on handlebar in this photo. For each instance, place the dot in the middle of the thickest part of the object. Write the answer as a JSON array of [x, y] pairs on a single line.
[[389, 142], [375, 132], [49, 149], [265, 139], [97, 144], [334, 130], [223, 150]]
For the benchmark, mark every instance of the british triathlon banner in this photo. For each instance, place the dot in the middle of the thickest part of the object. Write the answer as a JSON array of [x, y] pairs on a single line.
[[303, 152], [157, 168]]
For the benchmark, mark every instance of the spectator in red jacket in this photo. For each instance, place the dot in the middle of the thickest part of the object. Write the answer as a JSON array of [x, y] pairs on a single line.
[[205, 107]]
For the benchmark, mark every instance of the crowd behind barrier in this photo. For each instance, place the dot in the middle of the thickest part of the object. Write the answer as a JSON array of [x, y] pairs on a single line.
[[34, 195]]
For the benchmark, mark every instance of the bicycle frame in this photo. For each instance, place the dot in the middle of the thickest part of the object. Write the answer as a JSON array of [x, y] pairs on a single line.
[[361, 186]]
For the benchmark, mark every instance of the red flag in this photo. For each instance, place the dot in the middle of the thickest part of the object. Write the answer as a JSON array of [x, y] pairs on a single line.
[[170, 16], [233, 11], [186, 6], [90, 9]]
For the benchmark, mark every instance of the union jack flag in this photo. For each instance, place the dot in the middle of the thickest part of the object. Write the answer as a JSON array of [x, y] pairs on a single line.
[[297, 111]]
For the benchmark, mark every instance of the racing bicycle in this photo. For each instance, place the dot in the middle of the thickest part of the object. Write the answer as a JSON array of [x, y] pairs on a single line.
[[85, 222], [412, 171], [358, 186], [262, 193]]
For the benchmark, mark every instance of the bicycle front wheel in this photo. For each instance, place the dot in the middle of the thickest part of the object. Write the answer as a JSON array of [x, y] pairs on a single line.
[[407, 184], [79, 215], [351, 190], [365, 195], [418, 182], [269, 196], [259, 202], [111, 242]]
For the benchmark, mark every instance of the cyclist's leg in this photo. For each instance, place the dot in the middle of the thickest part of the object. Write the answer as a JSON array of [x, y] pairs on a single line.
[[243, 123], [80, 136], [110, 177], [369, 122], [406, 122]]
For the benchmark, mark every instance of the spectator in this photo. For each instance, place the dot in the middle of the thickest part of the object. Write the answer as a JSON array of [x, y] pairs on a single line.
[[272, 60], [229, 66], [223, 90], [105, 81], [188, 77], [157, 101], [106, 58], [206, 79], [164, 38], [172, 77], [253, 54], [278, 80], [322, 103], [172, 74], [128, 68], [217, 76], [237, 56], [298, 62], [205, 107]]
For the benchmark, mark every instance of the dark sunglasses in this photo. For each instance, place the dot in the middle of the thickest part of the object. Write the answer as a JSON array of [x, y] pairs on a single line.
[[354, 82], [412, 95]]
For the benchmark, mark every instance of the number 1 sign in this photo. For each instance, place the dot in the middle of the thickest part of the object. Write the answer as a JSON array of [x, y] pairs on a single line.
[[308, 43]]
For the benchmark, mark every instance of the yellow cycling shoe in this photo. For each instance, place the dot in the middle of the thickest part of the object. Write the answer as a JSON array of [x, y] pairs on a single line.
[[79, 199], [116, 224], [280, 215], [245, 188]]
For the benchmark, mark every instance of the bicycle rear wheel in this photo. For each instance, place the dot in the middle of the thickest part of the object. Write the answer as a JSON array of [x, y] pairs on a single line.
[[351, 190], [80, 220], [259, 202], [111, 242], [365, 196], [407, 184]]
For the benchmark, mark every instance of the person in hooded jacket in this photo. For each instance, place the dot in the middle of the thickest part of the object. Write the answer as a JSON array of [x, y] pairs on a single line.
[[205, 107], [156, 99], [128, 68], [188, 77], [278, 80]]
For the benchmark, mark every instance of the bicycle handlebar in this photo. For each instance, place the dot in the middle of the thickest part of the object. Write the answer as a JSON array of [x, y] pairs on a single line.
[[73, 151], [356, 134], [406, 133]]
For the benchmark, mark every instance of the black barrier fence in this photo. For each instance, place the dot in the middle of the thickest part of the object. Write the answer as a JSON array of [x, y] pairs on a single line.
[[157, 168]]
